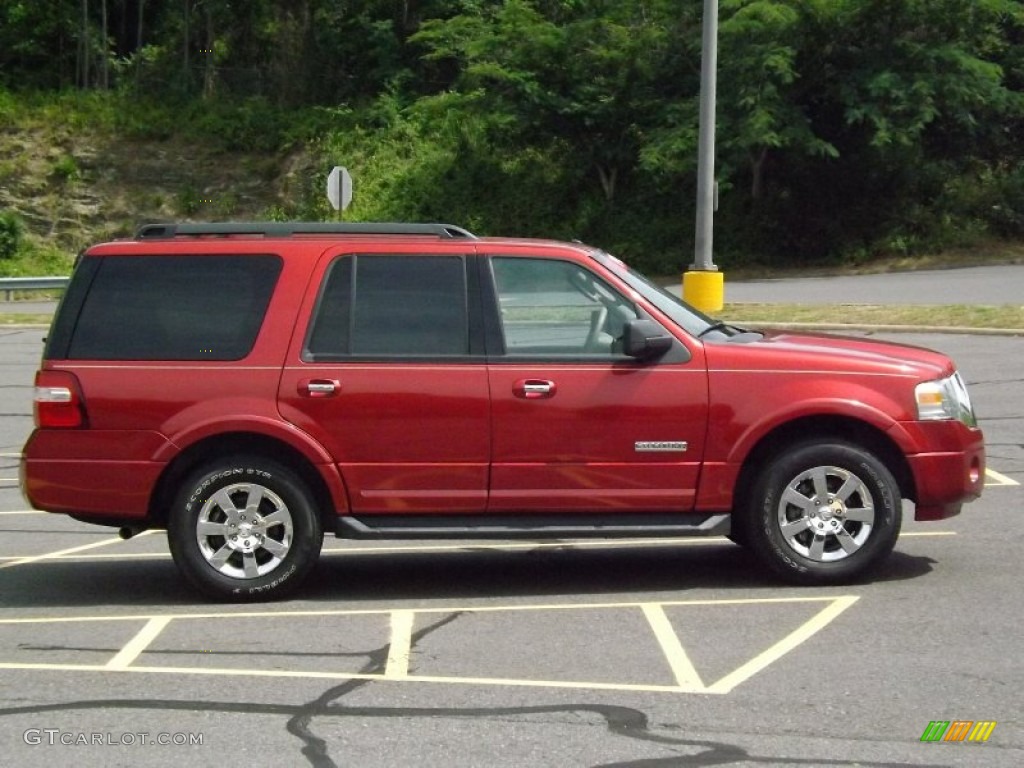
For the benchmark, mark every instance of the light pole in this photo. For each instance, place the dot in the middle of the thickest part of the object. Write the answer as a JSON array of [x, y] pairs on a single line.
[[703, 284]]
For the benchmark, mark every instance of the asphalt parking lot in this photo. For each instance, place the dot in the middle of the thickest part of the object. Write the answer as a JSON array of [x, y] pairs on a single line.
[[638, 653]]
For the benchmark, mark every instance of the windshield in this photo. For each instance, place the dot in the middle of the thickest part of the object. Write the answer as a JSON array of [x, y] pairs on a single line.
[[692, 320]]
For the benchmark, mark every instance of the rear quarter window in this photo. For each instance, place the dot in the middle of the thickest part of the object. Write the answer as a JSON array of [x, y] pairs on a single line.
[[168, 307]]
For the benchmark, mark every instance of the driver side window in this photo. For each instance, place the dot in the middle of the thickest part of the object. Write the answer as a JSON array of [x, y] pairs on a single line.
[[558, 308]]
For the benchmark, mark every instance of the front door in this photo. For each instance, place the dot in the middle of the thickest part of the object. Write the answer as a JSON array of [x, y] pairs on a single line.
[[577, 425]]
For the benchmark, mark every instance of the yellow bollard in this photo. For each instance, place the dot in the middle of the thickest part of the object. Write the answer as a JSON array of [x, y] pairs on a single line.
[[704, 290]]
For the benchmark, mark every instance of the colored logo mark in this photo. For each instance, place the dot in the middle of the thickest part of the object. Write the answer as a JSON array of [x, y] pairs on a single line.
[[958, 730]]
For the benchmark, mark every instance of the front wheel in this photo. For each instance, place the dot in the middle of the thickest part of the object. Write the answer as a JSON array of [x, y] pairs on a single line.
[[823, 513], [244, 529]]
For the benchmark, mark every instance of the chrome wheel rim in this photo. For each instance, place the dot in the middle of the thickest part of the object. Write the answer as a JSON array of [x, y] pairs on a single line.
[[244, 531], [826, 514]]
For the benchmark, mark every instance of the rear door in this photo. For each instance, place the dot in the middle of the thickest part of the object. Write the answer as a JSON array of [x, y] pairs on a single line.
[[577, 425], [390, 377]]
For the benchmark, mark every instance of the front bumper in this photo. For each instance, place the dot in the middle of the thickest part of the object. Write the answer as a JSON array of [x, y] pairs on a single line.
[[950, 471]]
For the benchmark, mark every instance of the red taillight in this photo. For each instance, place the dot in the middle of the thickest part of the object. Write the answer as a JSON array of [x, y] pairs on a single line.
[[58, 401]]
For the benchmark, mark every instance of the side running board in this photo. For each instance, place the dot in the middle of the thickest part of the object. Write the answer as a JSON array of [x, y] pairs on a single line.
[[530, 526]]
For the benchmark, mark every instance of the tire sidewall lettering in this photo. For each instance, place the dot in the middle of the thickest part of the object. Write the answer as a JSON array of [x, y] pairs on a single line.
[[199, 493]]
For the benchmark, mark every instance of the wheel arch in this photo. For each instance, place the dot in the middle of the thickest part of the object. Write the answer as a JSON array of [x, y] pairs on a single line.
[[822, 428], [210, 448]]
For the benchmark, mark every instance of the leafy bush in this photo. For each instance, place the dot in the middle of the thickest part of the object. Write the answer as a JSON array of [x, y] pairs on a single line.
[[12, 232]]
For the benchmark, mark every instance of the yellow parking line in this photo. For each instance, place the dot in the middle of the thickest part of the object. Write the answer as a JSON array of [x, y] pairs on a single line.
[[24, 512], [225, 614], [675, 654], [784, 646], [999, 479], [61, 552], [139, 643], [400, 648], [287, 673]]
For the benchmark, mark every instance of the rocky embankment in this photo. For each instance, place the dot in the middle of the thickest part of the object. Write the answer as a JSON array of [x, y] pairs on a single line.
[[75, 186]]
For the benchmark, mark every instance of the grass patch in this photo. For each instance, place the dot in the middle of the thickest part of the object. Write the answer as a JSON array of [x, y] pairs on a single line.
[[37, 258], [946, 315], [24, 318]]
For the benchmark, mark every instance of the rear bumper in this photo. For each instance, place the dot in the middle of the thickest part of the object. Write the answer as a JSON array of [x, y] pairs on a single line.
[[107, 489], [947, 479], [90, 473]]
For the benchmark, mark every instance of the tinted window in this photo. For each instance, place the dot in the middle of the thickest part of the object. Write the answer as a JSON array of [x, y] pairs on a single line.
[[174, 307], [557, 308], [406, 306]]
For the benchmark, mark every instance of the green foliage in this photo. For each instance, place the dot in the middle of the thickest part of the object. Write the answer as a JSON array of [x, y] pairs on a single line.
[[12, 232], [66, 169]]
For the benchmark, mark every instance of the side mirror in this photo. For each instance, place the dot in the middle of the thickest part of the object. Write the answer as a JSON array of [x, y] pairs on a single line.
[[645, 339]]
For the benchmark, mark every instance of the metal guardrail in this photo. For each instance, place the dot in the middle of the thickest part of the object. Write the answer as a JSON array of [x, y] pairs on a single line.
[[8, 285]]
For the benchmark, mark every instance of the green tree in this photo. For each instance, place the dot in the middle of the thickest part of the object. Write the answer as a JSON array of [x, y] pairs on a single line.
[[583, 74]]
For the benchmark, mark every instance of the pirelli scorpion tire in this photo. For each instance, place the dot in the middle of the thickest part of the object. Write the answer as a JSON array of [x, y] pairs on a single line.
[[244, 528], [823, 513]]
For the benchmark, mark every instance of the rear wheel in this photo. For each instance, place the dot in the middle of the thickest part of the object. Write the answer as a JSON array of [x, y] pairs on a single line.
[[823, 513], [244, 529]]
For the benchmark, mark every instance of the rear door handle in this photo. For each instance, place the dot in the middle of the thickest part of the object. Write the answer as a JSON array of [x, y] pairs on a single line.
[[534, 389], [319, 387]]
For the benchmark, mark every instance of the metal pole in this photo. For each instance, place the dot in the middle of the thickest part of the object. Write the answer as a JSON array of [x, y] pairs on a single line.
[[706, 140]]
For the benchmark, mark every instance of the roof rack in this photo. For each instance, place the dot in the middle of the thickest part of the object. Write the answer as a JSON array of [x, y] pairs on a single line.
[[289, 228]]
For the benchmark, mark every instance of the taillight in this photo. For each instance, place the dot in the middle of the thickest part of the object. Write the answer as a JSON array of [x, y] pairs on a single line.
[[58, 401]]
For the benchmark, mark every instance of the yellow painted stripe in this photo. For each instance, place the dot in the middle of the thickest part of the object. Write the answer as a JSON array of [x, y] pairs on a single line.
[[24, 512], [999, 479], [683, 669], [60, 553], [283, 673], [139, 643], [440, 610], [400, 647], [784, 646]]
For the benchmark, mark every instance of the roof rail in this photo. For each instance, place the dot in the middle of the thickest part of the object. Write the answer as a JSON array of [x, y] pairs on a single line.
[[289, 228]]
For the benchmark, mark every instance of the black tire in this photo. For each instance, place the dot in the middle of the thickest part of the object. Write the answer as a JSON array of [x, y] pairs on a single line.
[[822, 513], [244, 528]]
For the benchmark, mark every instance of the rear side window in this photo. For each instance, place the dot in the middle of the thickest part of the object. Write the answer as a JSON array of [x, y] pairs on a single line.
[[392, 306], [174, 307]]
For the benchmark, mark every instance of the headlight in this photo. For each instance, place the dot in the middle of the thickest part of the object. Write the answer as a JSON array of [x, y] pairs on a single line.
[[945, 399]]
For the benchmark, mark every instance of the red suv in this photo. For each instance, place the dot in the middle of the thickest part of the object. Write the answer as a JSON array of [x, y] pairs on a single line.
[[249, 386]]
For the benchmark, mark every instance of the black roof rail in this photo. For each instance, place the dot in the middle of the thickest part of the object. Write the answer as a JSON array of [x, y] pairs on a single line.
[[289, 228]]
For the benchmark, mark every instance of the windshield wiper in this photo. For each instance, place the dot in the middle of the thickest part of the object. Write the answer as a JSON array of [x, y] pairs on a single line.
[[716, 326]]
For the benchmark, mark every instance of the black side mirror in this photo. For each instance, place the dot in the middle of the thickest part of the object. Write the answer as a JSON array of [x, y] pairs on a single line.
[[645, 339]]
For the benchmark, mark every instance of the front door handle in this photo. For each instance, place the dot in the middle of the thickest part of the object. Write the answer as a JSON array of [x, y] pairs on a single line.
[[319, 387], [534, 389]]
